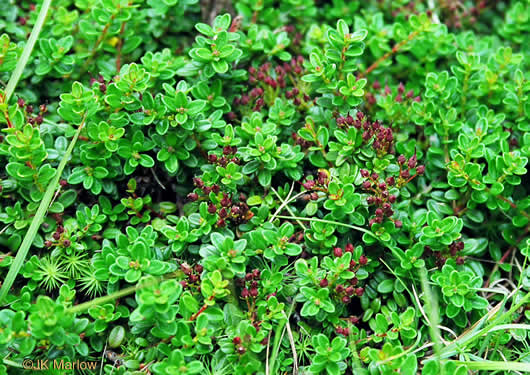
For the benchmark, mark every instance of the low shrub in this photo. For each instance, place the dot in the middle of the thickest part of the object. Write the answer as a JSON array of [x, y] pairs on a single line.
[[307, 187]]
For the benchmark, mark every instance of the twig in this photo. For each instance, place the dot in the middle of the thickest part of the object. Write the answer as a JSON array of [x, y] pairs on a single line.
[[120, 45], [394, 50]]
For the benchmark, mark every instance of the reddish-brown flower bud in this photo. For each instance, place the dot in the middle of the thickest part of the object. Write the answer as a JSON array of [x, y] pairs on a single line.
[[337, 252], [192, 197], [324, 283], [412, 161], [420, 170], [363, 260], [359, 291], [245, 293], [308, 185]]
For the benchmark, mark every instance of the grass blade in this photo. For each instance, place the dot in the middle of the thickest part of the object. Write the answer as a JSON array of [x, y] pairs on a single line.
[[37, 219], [495, 365], [13, 81]]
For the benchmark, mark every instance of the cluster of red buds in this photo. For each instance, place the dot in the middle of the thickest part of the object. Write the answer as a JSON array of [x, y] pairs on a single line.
[[58, 238], [320, 184], [346, 292], [345, 331], [30, 112], [305, 144], [405, 168], [229, 155], [401, 94], [380, 196], [266, 77], [24, 20], [240, 349], [382, 137], [297, 37], [193, 275], [297, 237], [457, 14], [250, 284], [102, 83], [227, 209], [250, 293], [452, 251]]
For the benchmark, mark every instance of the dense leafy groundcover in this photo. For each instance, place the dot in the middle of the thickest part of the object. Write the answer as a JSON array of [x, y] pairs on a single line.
[[311, 187]]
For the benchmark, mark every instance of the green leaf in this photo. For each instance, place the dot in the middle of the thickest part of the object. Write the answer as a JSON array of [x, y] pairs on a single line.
[[116, 336], [254, 200], [386, 286]]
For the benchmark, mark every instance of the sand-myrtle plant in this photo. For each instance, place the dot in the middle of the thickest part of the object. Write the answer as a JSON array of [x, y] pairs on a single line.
[[265, 187]]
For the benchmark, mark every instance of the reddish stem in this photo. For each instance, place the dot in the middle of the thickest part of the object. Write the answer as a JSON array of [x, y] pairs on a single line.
[[394, 50], [120, 44], [201, 310]]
